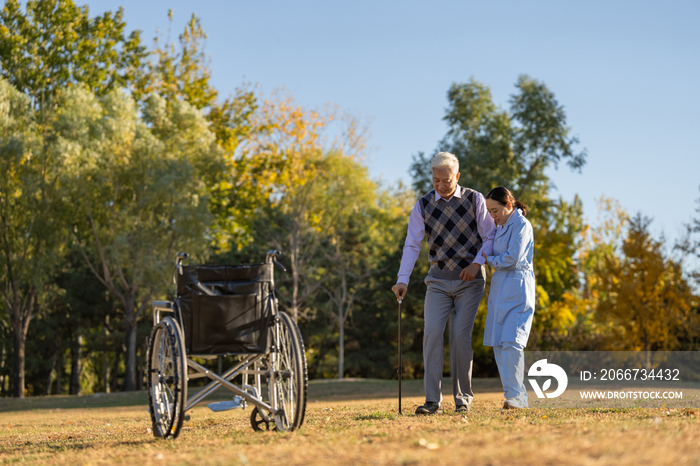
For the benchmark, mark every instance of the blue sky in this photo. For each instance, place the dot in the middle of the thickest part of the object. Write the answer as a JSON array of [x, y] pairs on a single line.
[[627, 73]]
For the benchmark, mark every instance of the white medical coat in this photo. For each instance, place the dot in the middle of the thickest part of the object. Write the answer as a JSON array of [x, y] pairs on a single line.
[[512, 296]]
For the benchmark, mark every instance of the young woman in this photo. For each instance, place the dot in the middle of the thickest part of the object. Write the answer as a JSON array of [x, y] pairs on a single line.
[[512, 295]]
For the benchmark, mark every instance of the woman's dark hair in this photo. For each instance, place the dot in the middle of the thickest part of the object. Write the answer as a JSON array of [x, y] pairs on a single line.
[[503, 196]]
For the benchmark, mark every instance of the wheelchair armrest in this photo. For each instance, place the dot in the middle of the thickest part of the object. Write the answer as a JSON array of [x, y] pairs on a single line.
[[159, 306], [163, 305]]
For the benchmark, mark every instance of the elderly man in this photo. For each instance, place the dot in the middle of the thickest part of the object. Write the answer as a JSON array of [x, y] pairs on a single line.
[[459, 230]]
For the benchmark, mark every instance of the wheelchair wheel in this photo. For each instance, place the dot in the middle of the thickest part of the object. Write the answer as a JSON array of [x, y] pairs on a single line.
[[167, 378], [259, 420], [291, 382]]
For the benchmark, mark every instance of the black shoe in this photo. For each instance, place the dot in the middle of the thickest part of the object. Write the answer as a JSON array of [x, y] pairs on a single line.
[[430, 407], [463, 408]]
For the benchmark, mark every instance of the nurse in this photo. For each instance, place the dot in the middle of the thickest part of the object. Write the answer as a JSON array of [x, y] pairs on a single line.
[[512, 296]]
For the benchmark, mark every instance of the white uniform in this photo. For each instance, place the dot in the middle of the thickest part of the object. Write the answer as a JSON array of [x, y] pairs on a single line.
[[511, 303]]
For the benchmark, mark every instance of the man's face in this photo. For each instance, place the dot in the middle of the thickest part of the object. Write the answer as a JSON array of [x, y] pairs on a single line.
[[445, 182]]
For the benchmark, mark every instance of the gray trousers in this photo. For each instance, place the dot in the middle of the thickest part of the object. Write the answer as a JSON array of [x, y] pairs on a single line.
[[459, 299]]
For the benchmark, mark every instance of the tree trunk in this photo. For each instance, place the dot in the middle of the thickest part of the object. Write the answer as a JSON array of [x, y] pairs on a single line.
[[59, 372], [295, 278], [341, 346], [76, 355], [20, 317], [19, 357], [2, 369], [647, 353], [130, 357], [52, 375], [115, 370], [105, 366], [130, 344], [140, 376]]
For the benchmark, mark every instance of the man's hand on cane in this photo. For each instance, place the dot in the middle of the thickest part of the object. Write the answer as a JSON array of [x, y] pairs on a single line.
[[470, 272], [400, 291]]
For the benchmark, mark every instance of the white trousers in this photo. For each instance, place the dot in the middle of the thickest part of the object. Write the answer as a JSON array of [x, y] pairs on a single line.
[[511, 366]]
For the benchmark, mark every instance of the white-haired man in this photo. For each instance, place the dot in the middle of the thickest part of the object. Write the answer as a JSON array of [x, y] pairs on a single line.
[[458, 229]]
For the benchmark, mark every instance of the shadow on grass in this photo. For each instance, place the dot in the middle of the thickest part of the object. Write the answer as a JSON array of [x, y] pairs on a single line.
[[67, 444], [358, 389], [97, 400], [321, 390]]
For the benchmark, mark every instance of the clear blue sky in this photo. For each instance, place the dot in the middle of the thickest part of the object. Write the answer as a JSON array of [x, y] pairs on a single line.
[[627, 73]]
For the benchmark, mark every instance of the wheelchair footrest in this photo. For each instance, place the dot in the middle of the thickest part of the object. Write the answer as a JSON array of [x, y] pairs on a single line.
[[237, 402]]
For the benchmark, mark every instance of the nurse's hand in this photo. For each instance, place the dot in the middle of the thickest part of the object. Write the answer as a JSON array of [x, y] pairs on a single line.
[[470, 272], [485, 256], [400, 290]]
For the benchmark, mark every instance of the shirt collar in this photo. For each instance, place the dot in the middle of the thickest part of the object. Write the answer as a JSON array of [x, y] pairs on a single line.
[[516, 213], [457, 194]]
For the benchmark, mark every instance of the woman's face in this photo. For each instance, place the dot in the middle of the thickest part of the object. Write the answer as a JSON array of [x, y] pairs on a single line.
[[499, 212]]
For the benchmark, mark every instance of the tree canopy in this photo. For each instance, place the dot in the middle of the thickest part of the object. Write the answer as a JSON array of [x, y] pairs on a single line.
[[114, 156]]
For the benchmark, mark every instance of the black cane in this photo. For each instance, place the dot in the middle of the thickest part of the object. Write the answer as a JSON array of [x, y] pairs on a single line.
[[399, 370]]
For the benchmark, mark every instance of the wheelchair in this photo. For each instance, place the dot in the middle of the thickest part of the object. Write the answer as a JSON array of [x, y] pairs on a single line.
[[224, 310]]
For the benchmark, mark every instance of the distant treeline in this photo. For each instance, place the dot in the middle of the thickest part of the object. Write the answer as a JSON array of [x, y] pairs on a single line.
[[115, 156]]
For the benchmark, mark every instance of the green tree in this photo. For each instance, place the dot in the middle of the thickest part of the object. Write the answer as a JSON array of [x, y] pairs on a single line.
[[139, 188], [244, 128], [50, 45], [372, 329], [351, 238], [513, 148], [500, 148], [55, 43], [30, 229]]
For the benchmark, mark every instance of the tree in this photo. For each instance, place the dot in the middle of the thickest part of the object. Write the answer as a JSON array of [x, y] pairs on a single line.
[[30, 229], [541, 136], [568, 321], [55, 43], [646, 297], [243, 127], [499, 148], [689, 247], [51, 45], [288, 212], [513, 148], [350, 246], [139, 188]]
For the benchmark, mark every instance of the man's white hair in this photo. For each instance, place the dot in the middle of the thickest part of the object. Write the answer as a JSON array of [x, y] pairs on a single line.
[[445, 160]]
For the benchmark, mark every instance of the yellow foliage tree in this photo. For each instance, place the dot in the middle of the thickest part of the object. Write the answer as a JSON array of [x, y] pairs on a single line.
[[644, 296]]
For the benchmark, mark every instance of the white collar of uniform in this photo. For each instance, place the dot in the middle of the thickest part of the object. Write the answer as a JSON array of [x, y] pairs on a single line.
[[457, 194], [501, 229], [517, 213]]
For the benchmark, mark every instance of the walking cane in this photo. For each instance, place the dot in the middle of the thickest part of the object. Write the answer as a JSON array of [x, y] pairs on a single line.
[[399, 370]]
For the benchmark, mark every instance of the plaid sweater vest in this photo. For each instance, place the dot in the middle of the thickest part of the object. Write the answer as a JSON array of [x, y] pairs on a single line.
[[451, 231]]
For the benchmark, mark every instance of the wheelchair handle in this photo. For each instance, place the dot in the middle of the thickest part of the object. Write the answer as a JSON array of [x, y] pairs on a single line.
[[178, 262], [279, 265], [272, 257]]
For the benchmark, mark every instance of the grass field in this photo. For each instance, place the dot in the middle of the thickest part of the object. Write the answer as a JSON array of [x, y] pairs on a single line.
[[348, 422]]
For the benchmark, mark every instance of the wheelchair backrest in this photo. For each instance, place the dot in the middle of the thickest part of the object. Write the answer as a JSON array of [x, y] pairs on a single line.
[[230, 312]]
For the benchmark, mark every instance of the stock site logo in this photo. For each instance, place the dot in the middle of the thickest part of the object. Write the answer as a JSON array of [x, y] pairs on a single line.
[[542, 369]]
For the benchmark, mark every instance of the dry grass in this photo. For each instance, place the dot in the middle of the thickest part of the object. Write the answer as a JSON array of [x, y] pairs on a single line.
[[348, 423]]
